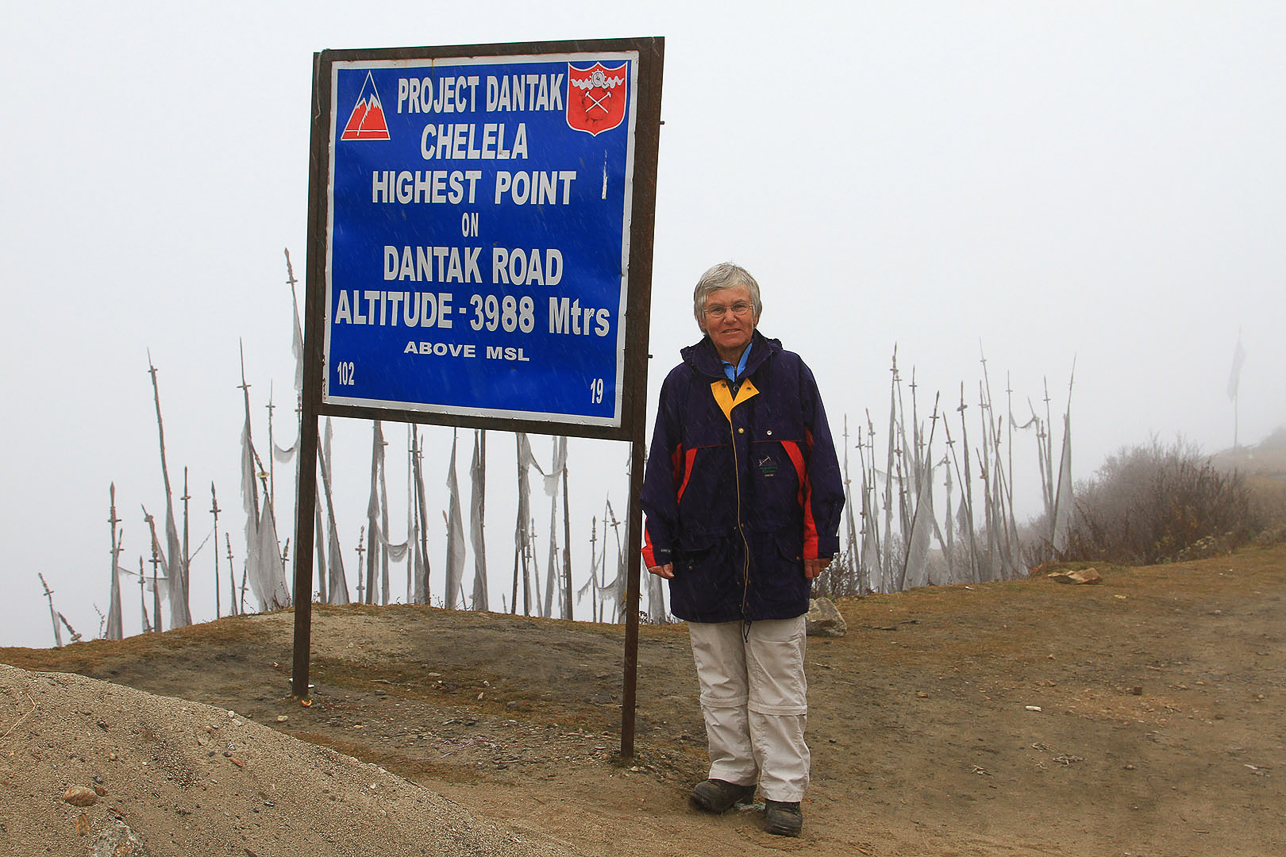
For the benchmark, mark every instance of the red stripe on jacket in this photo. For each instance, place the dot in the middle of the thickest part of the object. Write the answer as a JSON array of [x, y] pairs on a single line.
[[805, 496], [680, 471], [649, 558], [686, 473]]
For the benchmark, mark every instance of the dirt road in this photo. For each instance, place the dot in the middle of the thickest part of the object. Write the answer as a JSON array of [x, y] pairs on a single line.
[[1141, 716]]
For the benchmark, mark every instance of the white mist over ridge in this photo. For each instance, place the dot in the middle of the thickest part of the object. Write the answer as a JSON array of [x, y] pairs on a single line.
[[1048, 187]]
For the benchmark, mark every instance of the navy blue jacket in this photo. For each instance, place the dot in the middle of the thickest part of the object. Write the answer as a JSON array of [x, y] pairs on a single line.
[[742, 484]]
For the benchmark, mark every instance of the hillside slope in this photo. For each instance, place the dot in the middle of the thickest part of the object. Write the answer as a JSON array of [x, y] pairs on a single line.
[[1140, 716]]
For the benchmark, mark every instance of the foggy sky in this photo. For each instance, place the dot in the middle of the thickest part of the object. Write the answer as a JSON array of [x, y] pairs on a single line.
[[1098, 184]]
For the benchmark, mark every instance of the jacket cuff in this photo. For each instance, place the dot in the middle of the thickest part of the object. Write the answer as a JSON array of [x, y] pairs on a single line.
[[654, 556], [824, 546]]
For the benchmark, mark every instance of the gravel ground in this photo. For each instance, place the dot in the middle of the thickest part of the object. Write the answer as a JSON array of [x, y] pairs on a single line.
[[1139, 716], [190, 779]]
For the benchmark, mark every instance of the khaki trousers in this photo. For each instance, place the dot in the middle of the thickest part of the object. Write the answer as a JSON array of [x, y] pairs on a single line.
[[754, 701]]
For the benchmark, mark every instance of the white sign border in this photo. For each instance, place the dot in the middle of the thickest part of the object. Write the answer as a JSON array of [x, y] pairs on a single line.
[[614, 421]]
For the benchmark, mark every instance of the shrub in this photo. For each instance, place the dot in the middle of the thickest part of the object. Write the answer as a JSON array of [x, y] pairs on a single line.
[[1154, 504], [1267, 507], [840, 579]]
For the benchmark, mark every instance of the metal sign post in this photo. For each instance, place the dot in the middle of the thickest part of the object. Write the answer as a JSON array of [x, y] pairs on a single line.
[[480, 254]]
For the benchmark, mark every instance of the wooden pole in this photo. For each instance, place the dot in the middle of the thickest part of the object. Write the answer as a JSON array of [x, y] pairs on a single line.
[[478, 489], [53, 614], [422, 510], [372, 522], [966, 490], [532, 537], [850, 585], [214, 510], [595, 612], [361, 538], [986, 473], [870, 509], [632, 581], [322, 461], [1052, 494], [176, 565], [950, 517], [567, 546], [187, 496], [518, 546], [271, 490], [412, 530], [114, 629], [157, 625], [156, 561], [142, 596], [618, 598], [232, 578], [306, 488], [886, 561], [1009, 406], [637, 340], [75, 638], [527, 548], [384, 558], [552, 580]]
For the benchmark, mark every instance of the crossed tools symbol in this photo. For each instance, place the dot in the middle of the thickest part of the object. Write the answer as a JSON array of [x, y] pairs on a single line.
[[598, 102]]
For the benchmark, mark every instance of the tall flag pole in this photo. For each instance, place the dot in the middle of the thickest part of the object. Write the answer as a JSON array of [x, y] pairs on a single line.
[[1234, 384]]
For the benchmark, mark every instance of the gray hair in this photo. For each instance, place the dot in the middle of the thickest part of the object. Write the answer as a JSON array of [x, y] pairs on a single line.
[[725, 275]]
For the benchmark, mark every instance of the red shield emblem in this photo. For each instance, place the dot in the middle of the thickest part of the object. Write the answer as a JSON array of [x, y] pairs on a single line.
[[595, 98]]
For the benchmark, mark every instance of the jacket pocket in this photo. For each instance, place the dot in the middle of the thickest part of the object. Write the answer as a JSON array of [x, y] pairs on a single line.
[[707, 584], [790, 547], [702, 554], [781, 589], [691, 559]]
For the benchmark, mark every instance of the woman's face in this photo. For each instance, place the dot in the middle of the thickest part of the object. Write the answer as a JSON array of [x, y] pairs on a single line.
[[729, 331]]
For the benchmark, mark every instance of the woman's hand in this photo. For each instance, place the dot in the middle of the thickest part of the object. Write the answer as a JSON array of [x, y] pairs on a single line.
[[814, 567]]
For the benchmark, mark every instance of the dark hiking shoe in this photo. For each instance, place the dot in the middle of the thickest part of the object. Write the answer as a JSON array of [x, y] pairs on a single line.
[[783, 818], [719, 796]]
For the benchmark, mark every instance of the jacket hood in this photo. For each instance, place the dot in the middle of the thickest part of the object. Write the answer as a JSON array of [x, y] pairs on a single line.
[[704, 358]]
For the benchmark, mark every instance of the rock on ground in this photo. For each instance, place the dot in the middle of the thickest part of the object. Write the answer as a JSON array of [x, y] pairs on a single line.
[[1080, 576], [179, 778], [824, 619]]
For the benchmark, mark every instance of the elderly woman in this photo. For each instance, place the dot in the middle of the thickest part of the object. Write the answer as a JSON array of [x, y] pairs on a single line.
[[743, 498]]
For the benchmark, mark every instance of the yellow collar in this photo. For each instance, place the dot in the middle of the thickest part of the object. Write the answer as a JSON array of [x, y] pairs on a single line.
[[723, 395]]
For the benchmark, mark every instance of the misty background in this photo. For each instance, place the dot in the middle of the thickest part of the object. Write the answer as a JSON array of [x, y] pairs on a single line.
[[1097, 184]]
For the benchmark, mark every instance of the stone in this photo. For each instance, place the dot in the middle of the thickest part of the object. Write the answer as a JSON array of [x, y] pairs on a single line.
[[1080, 576], [824, 619], [80, 796], [118, 840]]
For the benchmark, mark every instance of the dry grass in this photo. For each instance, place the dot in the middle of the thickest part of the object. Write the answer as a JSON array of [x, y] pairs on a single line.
[[1159, 677], [88, 656]]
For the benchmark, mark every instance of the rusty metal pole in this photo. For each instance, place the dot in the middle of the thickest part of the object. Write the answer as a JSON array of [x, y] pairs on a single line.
[[633, 570], [641, 245], [306, 498]]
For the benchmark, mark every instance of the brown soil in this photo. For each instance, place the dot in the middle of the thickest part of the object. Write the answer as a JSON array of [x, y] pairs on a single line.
[[1141, 716]]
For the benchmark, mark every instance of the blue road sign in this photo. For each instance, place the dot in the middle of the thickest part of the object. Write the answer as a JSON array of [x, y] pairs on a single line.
[[479, 224]]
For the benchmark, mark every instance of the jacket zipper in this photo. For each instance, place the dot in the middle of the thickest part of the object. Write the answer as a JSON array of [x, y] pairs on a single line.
[[745, 565]]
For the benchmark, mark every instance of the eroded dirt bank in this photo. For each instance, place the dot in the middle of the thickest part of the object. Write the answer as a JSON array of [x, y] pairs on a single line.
[[1141, 716]]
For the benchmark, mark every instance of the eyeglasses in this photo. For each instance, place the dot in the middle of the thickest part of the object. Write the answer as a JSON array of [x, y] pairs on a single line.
[[740, 309]]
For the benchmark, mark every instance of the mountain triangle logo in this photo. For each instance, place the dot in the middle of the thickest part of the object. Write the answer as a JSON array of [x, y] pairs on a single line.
[[366, 122]]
